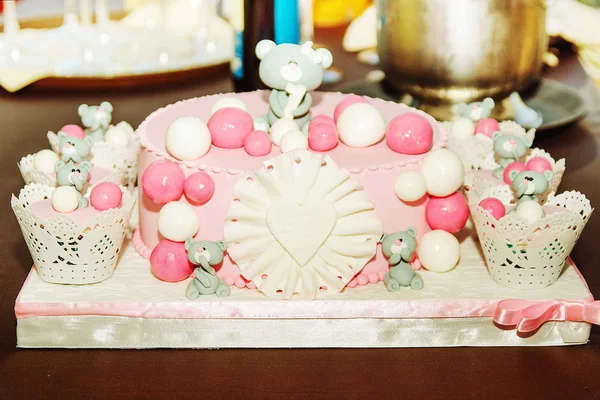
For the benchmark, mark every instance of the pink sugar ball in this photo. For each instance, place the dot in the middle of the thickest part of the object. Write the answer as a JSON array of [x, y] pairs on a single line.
[[258, 143], [409, 133], [322, 133], [229, 127], [493, 206], [345, 103], [73, 130], [513, 166], [169, 261], [487, 126], [199, 187], [106, 195], [448, 213], [163, 182], [539, 164]]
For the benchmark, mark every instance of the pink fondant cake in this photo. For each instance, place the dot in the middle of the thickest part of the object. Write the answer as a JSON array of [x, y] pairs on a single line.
[[375, 168]]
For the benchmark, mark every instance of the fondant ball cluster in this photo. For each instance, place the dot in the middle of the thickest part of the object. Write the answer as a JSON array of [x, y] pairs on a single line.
[[73, 130], [361, 125], [280, 128], [539, 164], [444, 172], [169, 261], [65, 199], [345, 103], [531, 210], [439, 251], [410, 186], [199, 187], [463, 128], [409, 133], [163, 182], [322, 133], [45, 160], [106, 195], [178, 221], [293, 140], [448, 213], [187, 138], [258, 143], [228, 102], [493, 206], [487, 126], [229, 127]]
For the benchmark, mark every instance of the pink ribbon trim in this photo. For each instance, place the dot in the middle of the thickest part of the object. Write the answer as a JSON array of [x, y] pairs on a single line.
[[527, 316]]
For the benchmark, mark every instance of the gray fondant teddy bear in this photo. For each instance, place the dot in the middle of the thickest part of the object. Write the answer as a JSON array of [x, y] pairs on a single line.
[[72, 148], [399, 248], [291, 71], [96, 119], [529, 184], [510, 148], [477, 110], [205, 281], [72, 174]]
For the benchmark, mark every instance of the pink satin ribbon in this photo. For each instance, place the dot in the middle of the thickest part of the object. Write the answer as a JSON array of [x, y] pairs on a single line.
[[527, 316]]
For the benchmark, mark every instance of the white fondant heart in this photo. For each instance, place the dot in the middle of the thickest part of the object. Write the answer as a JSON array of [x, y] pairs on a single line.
[[301, 230]]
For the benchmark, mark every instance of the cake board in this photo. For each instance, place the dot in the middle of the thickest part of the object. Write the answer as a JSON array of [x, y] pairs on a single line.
[[134, 309]]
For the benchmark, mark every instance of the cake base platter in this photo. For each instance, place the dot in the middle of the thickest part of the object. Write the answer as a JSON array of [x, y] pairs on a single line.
[[134, 309]]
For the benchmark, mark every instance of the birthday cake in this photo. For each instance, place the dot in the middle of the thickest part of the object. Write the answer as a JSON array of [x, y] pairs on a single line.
[[269, 216]]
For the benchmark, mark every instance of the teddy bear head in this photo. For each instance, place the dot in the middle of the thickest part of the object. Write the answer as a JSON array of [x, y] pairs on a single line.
[[96, 117], [72, 174], [74, 148], [477, 110], [402, 243], [530, 183], [288, 63], [205, 251], [510, 146]]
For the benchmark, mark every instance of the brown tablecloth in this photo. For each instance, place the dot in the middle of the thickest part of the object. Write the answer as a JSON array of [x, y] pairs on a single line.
[[564, 372]]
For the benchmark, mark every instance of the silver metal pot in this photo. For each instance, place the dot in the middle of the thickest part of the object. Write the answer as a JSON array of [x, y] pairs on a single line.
[[451, 51]]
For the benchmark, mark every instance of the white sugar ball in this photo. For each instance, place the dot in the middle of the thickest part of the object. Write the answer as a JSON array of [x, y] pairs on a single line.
[[463, 128], [188, 138], [225, 102], [261, 124], [178, 221], [294, 140], [438, 251], [531, 210], [117, 136], [280, 128], [444, 172], [44, 161], [410, 186], [65, 199], [361, 125]]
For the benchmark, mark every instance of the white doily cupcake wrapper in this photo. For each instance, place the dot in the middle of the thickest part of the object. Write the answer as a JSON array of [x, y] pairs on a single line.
[[69, 252], [526, 256], [110, 156], [31, 175]]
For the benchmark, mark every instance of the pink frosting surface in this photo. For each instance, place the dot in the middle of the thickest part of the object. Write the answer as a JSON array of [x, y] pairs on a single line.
[[44, 209], [375, 168]]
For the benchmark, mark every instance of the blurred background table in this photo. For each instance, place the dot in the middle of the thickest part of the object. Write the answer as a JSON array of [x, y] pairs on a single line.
[[559, 372]]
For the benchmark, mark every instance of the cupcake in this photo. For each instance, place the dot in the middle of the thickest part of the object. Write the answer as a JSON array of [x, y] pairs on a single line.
[[74, 236]]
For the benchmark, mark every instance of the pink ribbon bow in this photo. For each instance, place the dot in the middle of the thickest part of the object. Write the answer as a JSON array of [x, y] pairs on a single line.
[[527, 316]]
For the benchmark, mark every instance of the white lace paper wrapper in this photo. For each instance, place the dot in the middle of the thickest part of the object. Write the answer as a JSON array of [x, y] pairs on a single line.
[[525, 256], [111, 156], [68, 252], [31, 175], [300, 225]]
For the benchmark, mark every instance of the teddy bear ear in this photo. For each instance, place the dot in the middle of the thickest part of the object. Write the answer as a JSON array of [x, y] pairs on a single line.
[[513, 174], [264, 47], [412, 231], [489, 102], [107, 106], [82, 109], [528, 141], [548, 175], [58, 165], [188, 243], [87, 165], [462, 107], [89, 140], [325, 57], [496, 135], [222, 245]]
